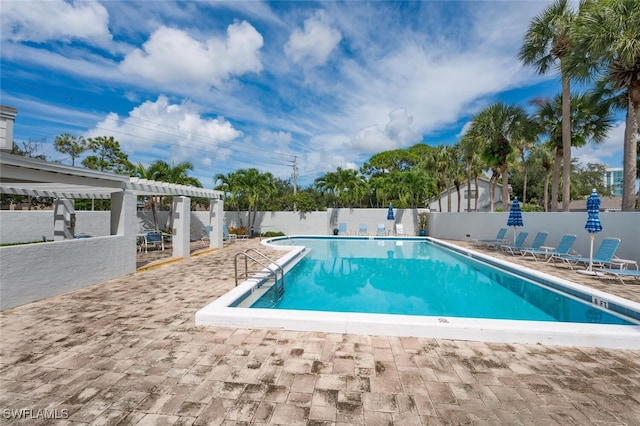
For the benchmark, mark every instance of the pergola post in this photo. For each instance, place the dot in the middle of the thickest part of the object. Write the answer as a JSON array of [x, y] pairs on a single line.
[[63, 219], [181, 226], [216, 212], [124, 222]]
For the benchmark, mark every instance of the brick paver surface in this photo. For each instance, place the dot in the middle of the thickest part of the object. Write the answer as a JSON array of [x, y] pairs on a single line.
[[127, 352]]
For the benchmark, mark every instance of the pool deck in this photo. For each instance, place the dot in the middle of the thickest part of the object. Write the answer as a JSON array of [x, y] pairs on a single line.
[[127, 352]]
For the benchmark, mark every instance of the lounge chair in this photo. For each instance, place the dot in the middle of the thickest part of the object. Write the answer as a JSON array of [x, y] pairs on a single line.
[[226, 236], [621, 273], [207, 235], [519, 244], [362, 229], [499, 239], [564, 248], [601, 258], [342, 227], [538, 242], [399, 229], [381, 230], [153, 237]]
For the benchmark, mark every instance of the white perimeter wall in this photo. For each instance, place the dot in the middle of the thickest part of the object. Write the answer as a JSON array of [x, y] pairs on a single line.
[[623, 225], [24, 226]]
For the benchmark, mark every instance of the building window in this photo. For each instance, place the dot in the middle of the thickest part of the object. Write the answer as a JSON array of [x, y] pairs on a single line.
[[470, 194]]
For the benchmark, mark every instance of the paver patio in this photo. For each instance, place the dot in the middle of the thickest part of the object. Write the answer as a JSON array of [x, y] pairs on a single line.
[[127, 352]]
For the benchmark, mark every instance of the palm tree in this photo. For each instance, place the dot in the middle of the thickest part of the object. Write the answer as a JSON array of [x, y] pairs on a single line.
[[471, 146], [255, 186], [607, 35], [590, 122], [345, 185], [231, 186], [150, 173], [544, 154], [548, 40], [499, 125], [523, 147], [177, 173], [174, 173], [457, 170], [439, 162]]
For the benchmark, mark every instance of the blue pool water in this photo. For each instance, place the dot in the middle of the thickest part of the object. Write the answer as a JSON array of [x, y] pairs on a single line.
[[417, 277]]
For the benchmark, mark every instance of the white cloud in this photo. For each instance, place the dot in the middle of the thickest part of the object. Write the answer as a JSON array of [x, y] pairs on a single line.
[[279, 139], [156, 125], [56, 20], [173, 56], [397, 133], [608, 152], [312, 45]]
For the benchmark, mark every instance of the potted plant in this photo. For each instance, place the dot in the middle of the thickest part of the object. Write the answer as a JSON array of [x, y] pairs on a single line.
[[423, 220]]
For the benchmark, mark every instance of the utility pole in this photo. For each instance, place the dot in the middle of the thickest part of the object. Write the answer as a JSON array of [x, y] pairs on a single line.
[[295, 174]]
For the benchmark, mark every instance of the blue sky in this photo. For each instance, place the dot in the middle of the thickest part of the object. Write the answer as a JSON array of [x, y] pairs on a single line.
[[229, 85]]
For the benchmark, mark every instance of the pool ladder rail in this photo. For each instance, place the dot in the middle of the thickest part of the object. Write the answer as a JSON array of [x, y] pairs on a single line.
[[271, 269]]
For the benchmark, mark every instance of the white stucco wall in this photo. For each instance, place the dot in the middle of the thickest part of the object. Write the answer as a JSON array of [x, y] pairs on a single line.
[[623, 225], [23, 226], [33, 272]]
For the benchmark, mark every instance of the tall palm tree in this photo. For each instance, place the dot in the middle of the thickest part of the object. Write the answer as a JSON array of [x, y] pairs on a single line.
[[499, 125], [607, 35], [523, 148], [590, 121], [547, 42]]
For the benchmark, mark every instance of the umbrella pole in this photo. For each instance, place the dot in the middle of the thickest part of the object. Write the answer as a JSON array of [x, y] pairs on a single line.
[[591, 237]]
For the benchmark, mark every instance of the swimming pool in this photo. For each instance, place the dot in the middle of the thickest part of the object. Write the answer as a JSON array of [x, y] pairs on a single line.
[[413, 287]]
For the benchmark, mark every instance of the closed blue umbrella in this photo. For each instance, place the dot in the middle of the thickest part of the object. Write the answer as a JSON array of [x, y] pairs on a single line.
[[390, 215], [593, 224], [515, 217]]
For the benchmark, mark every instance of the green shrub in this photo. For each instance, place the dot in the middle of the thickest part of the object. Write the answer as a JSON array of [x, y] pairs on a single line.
[[271, 234]]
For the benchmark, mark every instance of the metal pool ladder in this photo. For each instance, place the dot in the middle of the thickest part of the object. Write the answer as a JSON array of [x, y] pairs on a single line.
[[259, 258]]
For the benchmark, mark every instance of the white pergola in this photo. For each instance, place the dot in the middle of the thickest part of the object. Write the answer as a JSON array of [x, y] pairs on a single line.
[[38, 178], [34, 271]]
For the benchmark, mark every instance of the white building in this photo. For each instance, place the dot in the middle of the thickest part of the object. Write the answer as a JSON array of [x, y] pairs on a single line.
[[484, 202], [613, 179]]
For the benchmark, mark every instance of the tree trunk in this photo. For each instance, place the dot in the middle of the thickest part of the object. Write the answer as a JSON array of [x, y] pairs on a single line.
[[566, 143], [506, 202], [476, 194], [469, 186], [556, 180], [547, 177], [492, 187], [630, 154], [524, 180]]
